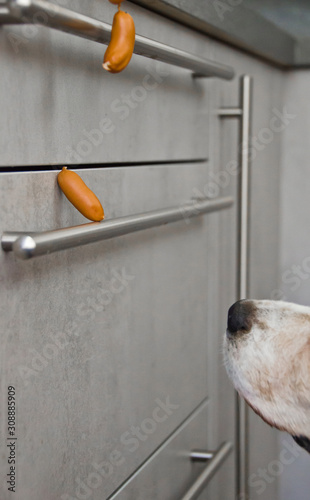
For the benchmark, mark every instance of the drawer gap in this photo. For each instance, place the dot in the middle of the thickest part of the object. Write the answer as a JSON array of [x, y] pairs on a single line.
[[44, 168]]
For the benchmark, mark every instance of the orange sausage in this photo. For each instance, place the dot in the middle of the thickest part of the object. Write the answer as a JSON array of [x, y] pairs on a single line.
[[84, 200], [120, 48], [116, 2]]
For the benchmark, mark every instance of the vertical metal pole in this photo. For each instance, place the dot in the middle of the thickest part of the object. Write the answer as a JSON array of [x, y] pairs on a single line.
[[243, 112], [242, 410]]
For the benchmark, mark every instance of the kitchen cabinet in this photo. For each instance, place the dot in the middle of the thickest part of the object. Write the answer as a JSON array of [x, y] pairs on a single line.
[[106, 345], [169, 471], [268, 105], [113, 347], [65, 109]]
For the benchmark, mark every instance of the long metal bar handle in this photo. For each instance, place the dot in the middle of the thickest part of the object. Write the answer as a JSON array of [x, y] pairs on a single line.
[[244, 113], [244, 219], [215, 460], [26, 245], [62, 19]]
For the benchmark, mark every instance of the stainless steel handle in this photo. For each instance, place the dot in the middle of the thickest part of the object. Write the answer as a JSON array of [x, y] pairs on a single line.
[[215, 460], [242, 408], [244, 113], [62, 19], [30, 244]]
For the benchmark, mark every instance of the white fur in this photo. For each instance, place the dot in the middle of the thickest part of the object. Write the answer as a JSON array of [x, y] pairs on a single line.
[[270, 365]]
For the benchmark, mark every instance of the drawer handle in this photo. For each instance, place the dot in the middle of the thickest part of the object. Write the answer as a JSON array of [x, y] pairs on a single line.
[[215, 460], [62, 19], [244, 113], [30, 244]]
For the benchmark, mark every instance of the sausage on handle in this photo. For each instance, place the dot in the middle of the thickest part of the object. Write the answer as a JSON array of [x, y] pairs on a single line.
[[120, 48], [84, 200]]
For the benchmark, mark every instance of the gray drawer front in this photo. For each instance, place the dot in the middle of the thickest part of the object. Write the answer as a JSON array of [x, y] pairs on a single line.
[[91, 346], [170, 473], [60, 107]]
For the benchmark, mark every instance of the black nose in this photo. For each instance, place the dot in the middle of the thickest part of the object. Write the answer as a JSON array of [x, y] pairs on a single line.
[[240, 317]]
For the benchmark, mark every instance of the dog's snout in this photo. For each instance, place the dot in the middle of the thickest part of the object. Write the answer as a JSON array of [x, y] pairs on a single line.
[[240, 317]]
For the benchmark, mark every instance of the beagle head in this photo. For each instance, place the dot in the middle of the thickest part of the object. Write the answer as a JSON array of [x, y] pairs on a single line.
[[267, 356]]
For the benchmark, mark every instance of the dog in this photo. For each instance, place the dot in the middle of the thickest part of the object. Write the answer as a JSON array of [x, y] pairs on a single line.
[[267, 357]]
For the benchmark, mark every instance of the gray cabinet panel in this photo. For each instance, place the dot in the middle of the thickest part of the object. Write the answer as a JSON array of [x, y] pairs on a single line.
[[170, 472], [222, 267], [60, 107], [106, 345], [267, 131]]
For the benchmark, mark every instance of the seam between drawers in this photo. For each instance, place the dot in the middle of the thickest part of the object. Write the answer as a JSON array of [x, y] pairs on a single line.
[[158, 450]]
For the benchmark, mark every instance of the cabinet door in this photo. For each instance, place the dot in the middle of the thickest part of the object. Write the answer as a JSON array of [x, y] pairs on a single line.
[[108, 346], [58, 105], [223, 274], [169, 472], [264, 218]]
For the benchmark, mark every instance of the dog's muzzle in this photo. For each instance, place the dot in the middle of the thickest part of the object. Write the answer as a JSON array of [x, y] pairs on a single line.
[[240, 318]]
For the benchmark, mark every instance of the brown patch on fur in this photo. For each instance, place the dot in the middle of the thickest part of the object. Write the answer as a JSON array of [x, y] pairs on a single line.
[[265, 389], [304, 317], [262, 325], [300, 375]]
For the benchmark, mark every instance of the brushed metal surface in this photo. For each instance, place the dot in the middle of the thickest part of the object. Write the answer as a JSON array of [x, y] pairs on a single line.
[[75, 113], [201, 455], [59, 18], [294, 283], [268, 99], [31, 282], [246, 104], [244, 112], [231, 22], [28, 245], [95, 342], [214, 464], [170, 472], [273, 32]]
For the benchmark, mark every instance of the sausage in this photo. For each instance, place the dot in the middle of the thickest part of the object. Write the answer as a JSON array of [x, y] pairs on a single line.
[[120, 48], [116, 2], [84, 200]]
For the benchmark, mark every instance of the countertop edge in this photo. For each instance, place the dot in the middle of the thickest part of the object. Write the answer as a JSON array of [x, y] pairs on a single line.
[[239, 26]]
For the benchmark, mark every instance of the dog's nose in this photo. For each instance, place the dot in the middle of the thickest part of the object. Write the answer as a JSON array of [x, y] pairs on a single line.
[[240, 317]]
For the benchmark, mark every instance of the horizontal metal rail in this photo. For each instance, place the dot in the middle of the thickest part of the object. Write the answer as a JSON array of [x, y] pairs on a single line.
[[53, 16], [230, 112], [26, 245]]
